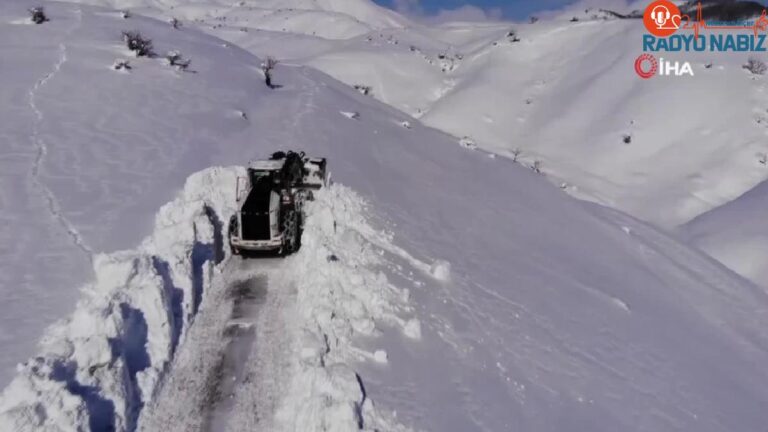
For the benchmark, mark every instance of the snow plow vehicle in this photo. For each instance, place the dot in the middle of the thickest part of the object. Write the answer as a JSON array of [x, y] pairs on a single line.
[[270, 203]]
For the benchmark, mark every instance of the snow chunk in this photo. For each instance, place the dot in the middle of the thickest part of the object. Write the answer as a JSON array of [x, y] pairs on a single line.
[[350, 115], [122, 65], [412, 328], [468, 143], [440, 270], [380, 356], [621, 304]]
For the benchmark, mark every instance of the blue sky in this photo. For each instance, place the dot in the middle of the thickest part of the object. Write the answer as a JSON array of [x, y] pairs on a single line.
[[513, 9]]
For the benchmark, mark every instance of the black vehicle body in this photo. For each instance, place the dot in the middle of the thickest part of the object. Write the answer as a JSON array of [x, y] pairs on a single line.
[[270, 201]]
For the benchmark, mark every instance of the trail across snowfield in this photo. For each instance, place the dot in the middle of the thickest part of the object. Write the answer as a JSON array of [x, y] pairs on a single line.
[[179, 335]]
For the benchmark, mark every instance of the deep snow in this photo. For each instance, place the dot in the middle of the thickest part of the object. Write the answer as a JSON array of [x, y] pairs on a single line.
[[469, 293], [736, 234], [555, 93], [561, 93]]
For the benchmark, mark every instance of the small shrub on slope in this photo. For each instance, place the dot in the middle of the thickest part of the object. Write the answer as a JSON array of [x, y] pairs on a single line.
[[267, 67], [37, 15], [364, 89], [141, 46], [756, 66]]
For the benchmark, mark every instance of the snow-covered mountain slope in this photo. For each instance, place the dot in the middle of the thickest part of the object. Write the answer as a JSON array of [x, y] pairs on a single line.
[[559, 92], [567, 94], [331, 19], [74, 128], [736, 234], [564, 93], [447, 290]]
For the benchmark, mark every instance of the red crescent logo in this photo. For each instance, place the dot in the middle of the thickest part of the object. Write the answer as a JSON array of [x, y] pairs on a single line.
[[646, 58]]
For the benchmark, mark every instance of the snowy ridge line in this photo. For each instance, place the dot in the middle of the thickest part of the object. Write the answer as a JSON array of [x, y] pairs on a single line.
[[42, 150], [98, 368], [341, 294]]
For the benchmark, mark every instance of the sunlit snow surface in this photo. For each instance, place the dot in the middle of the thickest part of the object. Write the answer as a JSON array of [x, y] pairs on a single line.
[[455, 292]]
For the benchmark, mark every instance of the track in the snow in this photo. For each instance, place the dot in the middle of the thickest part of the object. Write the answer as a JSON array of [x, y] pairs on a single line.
[[228, 369], [239, 333]]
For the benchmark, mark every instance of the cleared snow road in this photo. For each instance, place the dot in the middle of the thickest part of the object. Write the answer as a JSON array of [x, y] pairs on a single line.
[[228, 366], [240, 333]]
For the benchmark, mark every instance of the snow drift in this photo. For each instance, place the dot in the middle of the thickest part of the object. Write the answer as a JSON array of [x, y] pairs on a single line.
[[323, 300], [97, 368]]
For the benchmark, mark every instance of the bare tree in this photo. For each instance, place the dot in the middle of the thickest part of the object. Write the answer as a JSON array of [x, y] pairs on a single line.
[[138, 44], [515, 154], [267, 67], [536, 167], [364, 89], [175, 23], [756, 66], [37, 14]]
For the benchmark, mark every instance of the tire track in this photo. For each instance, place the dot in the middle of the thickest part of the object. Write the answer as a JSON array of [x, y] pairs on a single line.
[[200, 389], [240, 334], [256, 399]]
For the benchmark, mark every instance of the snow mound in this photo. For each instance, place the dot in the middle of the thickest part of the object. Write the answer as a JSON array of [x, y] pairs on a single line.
[[339, 301], [468, 143], [441, 270], [100, 368], [350, 115], [97, 368]]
